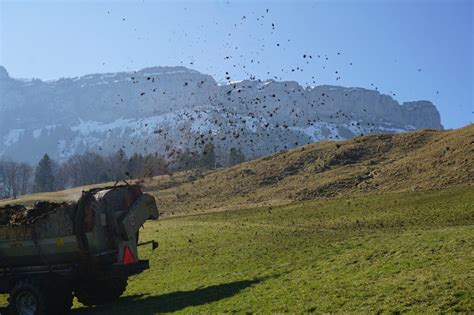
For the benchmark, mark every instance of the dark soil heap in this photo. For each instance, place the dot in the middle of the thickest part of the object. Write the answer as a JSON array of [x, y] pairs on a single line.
[[20, 215]]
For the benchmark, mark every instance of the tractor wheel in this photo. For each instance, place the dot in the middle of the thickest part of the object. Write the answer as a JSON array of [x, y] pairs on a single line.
[[102, 291], [27, 298], [34, 297]]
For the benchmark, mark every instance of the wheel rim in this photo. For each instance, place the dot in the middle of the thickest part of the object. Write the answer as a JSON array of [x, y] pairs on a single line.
[[26, 303]]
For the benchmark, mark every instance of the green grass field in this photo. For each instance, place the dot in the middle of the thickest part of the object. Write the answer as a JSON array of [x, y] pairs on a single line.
[[392, 252], [392, 238]]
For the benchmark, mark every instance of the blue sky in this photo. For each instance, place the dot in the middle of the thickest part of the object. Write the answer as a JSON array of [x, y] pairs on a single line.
[[412, 50]]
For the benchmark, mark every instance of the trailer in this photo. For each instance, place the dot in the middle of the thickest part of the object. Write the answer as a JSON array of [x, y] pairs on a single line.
[[88, 249]]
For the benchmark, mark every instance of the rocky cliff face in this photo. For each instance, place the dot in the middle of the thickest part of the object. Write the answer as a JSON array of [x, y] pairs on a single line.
[[163, 108]]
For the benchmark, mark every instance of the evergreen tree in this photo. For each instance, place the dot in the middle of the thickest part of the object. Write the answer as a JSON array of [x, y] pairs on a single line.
[[208, 156], [44, 175], [236, 156]]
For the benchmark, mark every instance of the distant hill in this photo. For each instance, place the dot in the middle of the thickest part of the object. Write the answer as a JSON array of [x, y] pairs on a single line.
[[160, 109], [419, 160]]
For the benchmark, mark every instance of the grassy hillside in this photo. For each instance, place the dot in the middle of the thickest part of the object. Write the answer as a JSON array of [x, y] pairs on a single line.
[[413, 161], [393, 252], [377, 163]]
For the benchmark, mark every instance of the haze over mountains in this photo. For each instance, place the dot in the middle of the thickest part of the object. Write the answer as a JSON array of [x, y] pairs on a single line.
[[162, 109]]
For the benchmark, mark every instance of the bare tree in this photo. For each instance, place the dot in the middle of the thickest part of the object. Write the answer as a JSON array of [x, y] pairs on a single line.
[[25, 178], [117, 165], [16, 178], [84, 169], [3, 188], [154, 165], [70, 172], [11, 177]]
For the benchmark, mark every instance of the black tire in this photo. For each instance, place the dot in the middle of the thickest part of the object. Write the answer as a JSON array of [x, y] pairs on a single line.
[[101, 292], [27, 298], [40, 297], [37, 296]]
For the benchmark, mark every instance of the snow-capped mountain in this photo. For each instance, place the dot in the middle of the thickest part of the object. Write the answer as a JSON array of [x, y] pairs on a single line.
[[165, 108]]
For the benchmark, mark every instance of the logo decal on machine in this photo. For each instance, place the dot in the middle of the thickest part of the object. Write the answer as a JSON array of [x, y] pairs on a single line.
[[132, 221], [60, 242]]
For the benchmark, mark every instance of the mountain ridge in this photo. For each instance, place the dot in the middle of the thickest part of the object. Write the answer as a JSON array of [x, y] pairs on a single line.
[[176, 107]]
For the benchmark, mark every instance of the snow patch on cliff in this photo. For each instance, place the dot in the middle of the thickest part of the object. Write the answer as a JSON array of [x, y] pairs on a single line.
[[12, 136]]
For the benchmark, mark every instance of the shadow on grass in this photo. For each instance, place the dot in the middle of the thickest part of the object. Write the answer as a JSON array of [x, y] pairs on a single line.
[[171, 302]]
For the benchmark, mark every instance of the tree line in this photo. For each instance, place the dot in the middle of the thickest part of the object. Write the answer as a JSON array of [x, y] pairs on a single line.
[[17, 178]]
